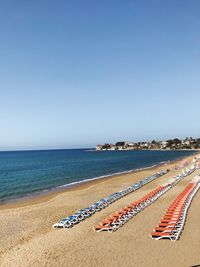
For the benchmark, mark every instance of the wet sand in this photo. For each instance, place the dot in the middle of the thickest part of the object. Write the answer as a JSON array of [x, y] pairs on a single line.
[[27, 239]]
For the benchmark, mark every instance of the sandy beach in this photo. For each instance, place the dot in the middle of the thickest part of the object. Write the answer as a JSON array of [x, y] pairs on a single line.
[[27, 237]]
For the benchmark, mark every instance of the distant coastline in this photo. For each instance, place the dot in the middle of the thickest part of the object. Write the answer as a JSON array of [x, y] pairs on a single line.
[[171, 144]]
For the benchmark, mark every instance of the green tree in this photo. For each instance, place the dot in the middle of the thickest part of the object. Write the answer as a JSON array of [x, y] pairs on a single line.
[[106, 146], [121, 143]]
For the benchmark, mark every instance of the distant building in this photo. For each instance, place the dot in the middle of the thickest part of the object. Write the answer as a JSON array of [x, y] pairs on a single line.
[[99, 147], [187, 143]]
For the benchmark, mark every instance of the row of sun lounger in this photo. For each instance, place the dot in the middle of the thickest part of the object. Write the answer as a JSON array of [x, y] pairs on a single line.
[[79, 216], [173, 220], [120, 217]]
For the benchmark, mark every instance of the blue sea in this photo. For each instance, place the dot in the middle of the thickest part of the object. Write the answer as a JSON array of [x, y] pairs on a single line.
[[24, 173]]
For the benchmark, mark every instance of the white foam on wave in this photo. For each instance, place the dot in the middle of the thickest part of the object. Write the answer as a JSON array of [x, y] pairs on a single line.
[[46, 191], [108, 175]]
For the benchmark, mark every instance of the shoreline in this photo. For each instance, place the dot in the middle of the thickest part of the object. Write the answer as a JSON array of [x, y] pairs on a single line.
[[48, 194], [51, 193], [27, 237]]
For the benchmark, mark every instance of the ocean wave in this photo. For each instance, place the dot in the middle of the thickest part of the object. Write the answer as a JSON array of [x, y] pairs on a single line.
[[108, 175]]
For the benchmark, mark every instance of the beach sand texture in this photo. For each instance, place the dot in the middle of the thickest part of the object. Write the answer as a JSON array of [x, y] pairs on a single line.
[[27, 238]]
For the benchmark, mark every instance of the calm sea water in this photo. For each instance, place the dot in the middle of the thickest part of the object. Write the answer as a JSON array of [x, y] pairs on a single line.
[[24, 173]]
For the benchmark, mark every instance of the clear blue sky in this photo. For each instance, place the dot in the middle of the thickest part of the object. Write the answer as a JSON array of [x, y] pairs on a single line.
[[77, 73]]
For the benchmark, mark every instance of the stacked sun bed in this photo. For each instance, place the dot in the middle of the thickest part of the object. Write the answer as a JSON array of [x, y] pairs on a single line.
[[79, 216], [172, 222], [198, 165], [120, 217], [181, 165]]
